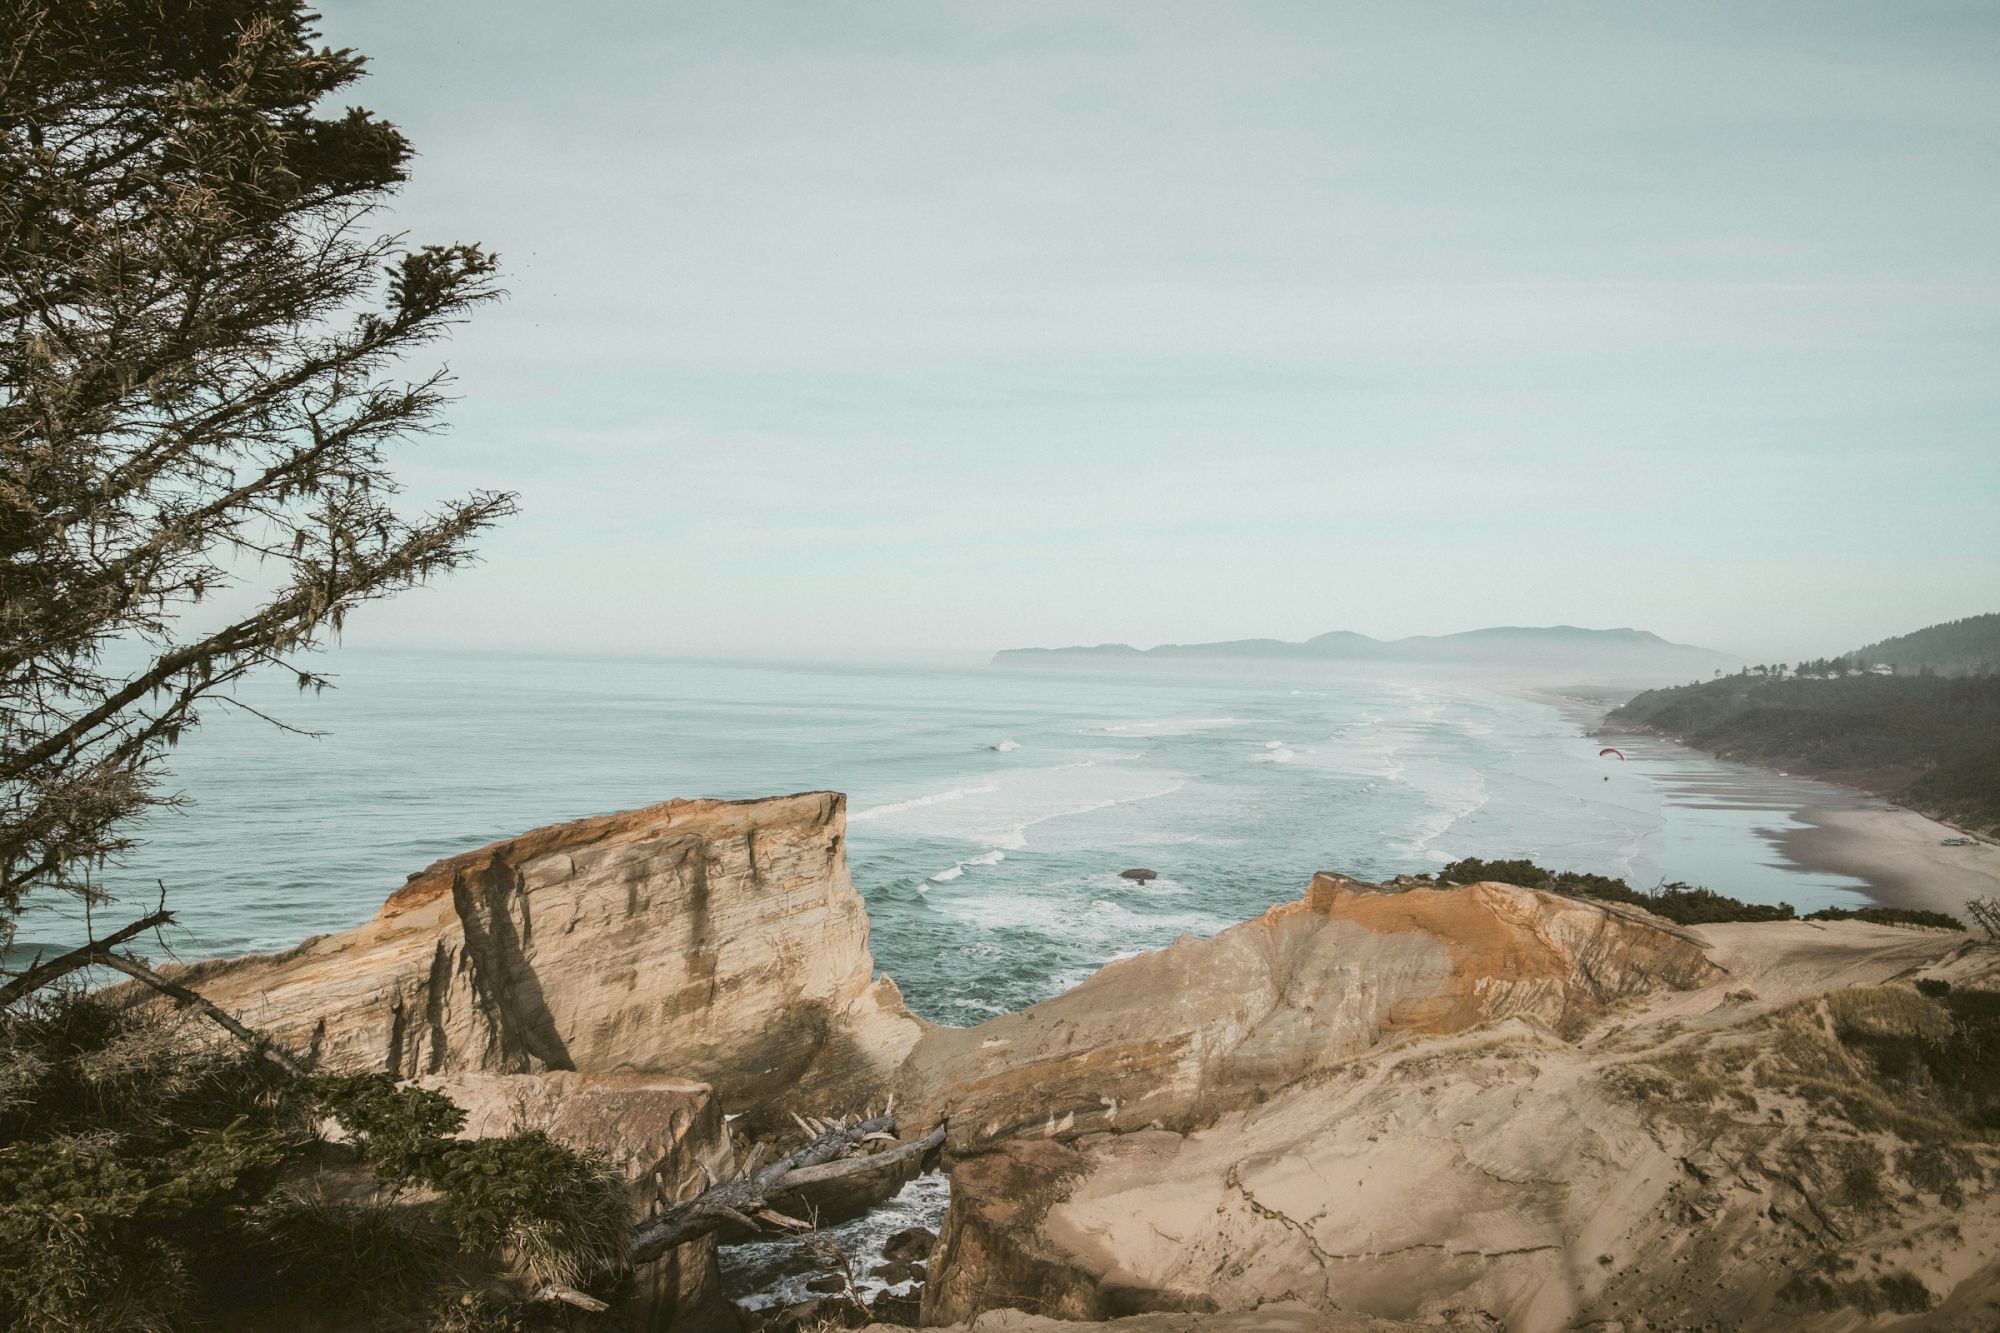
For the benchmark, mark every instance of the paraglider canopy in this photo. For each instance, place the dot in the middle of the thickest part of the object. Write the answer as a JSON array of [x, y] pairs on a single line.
[[1608, 750]]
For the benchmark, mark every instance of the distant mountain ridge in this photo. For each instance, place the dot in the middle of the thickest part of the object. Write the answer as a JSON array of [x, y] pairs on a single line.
[[1536, 646]]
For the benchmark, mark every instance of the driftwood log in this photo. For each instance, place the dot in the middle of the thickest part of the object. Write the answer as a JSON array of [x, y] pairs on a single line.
[[831, 1154]]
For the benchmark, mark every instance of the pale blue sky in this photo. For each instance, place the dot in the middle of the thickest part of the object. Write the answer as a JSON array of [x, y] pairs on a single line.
[[858, 330]]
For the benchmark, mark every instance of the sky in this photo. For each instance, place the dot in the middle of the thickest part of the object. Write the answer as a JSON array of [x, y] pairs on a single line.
[[917, 330]]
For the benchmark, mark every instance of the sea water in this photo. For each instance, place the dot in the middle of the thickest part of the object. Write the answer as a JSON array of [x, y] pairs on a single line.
[[990, 809]]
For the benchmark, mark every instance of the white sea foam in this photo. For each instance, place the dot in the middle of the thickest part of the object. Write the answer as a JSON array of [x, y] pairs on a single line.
[[1277, 752], [1004, 746], [992, 858], [918, 802], [1104, 925], [1455, 793], [1168, 726], [921, 1203], [1016, 836]]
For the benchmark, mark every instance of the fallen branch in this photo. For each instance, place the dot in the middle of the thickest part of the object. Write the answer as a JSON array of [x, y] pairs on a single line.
[[557, 1293], [825, 1157], [256, 1041], [84, 955], [854, 1166]]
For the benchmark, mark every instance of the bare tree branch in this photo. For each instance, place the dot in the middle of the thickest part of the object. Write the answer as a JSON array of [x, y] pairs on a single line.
[[257, 1042], [86, 955]]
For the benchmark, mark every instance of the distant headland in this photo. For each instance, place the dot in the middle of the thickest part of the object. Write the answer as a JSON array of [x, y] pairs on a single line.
[[1526, 647]]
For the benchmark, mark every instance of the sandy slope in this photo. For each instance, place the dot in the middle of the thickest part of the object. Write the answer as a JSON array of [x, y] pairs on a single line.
[[1684, 1163]]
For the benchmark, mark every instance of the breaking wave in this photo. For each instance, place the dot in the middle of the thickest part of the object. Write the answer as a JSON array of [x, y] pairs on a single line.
[[918, 802]]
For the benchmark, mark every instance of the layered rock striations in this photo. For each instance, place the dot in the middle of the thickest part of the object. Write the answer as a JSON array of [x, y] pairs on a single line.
[[1717, 1155], [712, 940], [1174, 1038], [1473, 1106]]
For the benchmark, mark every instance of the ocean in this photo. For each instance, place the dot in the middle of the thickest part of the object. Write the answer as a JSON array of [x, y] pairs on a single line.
[[991, 809]]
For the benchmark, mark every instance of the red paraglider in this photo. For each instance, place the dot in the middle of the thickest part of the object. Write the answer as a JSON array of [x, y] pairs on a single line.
[[1608, 750]]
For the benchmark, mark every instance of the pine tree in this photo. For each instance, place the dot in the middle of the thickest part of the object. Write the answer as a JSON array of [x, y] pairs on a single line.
[[197, 394]]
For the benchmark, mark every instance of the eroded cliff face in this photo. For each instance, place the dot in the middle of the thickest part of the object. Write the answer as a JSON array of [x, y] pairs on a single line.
[[1710, 1153], [1174, 1038], [712, 940], [1478, 1106]]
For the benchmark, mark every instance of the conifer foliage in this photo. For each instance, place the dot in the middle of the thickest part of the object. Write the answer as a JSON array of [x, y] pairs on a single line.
[[201, 326]]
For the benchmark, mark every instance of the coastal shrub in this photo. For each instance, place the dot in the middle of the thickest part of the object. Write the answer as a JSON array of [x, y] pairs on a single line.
[[132, 1142], [1803, 1057], [1857, 1170], [140, 1173], [561, 1215], [1473, 870], [72, 1064], [1691, 905], [400, 1129], [480, 1312], [1888, 916], [333, 1254], [1943, 1048], [1683, 904], [1938, 1169]]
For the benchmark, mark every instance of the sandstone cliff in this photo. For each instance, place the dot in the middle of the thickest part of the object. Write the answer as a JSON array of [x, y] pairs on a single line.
[[1479, 1106], [1172, 1039], [711, 940], [1710, 1153]]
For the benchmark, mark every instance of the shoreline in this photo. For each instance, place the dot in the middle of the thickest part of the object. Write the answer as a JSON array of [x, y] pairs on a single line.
[[1896, 853]]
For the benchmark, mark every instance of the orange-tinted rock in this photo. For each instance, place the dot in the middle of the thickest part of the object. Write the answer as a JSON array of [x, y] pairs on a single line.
[[1173, 1038]]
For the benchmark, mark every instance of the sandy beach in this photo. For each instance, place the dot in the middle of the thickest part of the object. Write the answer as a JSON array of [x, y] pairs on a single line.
[[1898, 853]]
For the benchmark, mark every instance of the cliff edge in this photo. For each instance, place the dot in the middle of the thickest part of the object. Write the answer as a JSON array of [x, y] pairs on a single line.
[[714, 940]]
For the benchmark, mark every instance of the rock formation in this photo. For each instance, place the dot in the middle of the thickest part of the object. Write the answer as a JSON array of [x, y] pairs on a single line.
[[1172, 1039], [1474, 1106], [665, 1135], [1282, 1317], [712, 940], [1707, 1154]]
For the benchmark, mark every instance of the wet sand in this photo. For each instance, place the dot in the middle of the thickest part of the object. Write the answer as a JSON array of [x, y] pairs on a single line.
[[1899, 854]]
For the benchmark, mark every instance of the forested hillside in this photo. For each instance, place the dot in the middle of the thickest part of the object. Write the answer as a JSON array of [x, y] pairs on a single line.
[[1929, 742], [1965, 647]]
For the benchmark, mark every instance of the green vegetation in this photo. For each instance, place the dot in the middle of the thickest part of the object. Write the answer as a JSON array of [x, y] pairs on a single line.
[[157, 1176], [1888, 916], [203, 337], [1967, 647], [1929, 742], [1685, 904]]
